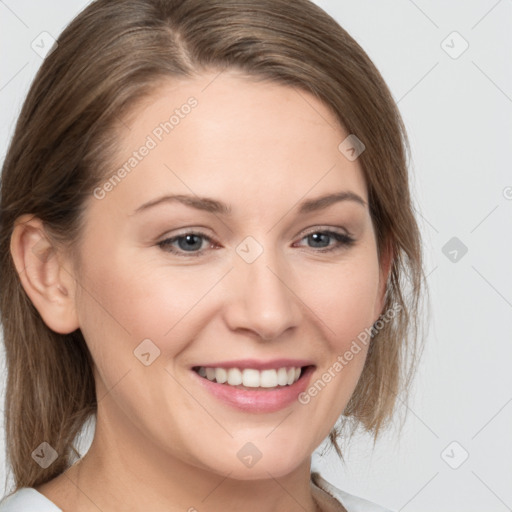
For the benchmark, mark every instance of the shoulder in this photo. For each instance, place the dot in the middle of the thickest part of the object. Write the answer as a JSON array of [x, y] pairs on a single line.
[[27, 499], [349, 501]]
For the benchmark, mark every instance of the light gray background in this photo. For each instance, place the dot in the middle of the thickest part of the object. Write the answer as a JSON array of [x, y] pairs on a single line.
[[458, 112]]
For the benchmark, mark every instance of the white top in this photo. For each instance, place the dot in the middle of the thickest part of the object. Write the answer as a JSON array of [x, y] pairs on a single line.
[[28, 499]]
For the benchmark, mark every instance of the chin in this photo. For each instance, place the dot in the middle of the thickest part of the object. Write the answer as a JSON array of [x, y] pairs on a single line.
[[261, 471], [250, 463]]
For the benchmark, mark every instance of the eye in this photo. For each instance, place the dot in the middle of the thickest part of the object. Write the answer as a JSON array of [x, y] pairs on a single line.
[[189, 244], [320, 240]]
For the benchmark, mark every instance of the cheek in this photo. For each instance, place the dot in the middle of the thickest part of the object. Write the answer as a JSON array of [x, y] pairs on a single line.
[[126, 303], [155, 301], [344, 298]]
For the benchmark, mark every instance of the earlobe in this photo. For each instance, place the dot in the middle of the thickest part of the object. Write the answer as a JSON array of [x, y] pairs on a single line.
[[48, 284]]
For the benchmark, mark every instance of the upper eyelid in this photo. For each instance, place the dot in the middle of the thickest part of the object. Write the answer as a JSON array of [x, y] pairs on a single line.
[[326, 229], [315, 229]]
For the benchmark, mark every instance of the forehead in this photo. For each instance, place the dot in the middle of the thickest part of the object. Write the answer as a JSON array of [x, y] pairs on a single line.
[[228, 136]]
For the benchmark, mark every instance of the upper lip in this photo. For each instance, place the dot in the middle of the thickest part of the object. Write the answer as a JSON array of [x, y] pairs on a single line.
[[256, 364]]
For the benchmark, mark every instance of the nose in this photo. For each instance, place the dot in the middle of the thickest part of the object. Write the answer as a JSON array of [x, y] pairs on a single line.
[[262, 298]]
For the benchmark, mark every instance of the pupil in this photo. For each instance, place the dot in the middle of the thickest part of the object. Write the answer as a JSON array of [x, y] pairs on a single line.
[[316, 236], [189, 242]]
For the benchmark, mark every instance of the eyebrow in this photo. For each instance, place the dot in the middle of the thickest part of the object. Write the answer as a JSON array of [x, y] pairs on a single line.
[[218, 207]]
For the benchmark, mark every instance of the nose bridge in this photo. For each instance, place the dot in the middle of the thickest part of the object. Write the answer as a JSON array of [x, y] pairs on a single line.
[[264, 301]]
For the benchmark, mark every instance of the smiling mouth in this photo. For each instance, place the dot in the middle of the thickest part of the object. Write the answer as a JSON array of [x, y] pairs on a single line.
[[251, 378]]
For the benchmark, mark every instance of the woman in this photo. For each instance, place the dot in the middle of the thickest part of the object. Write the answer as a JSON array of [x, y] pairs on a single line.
[[206, 240]]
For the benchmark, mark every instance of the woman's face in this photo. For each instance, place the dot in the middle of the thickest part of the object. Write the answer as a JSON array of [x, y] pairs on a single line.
[[266, 279]]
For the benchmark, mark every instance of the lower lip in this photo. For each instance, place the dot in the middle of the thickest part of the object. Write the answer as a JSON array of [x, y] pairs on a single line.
[[257, 401]]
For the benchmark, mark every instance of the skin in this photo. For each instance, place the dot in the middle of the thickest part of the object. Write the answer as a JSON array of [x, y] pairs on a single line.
[[161, 441]]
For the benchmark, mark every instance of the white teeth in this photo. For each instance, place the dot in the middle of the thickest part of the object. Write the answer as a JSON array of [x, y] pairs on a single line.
[[234, 377], [268, 379], [282, 376], [221, 375], [250, 377]]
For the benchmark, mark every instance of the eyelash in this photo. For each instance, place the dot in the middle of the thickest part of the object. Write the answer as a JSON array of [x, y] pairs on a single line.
[[343, 240]]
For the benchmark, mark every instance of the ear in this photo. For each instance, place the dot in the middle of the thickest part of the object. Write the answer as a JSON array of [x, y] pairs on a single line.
[[386, 261], [50, 287]]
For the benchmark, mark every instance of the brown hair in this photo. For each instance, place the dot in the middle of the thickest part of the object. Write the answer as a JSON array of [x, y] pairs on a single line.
[[111, 56]]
